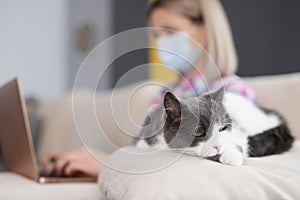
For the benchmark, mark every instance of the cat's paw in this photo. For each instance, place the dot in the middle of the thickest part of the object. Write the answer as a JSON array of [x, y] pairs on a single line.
[[142, 144], [232, 157]]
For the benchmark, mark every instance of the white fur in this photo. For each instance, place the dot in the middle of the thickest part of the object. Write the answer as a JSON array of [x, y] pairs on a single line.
[[232, 156], [161, 144], [217, 139], [248, 116], [142, 144]]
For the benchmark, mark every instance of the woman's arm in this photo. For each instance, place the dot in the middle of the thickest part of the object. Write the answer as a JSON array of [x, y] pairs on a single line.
[[74, 163]]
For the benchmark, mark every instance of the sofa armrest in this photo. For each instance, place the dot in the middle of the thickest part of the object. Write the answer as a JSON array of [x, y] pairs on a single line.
[[118, 113]]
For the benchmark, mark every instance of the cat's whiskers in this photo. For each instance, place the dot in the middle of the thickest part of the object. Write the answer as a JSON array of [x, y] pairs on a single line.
[[185, 151], [251, 150], [227, 123], [227, 120], [223, 115]]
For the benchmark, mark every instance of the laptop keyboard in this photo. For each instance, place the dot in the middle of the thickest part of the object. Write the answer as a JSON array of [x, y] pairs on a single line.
[[51, 175]]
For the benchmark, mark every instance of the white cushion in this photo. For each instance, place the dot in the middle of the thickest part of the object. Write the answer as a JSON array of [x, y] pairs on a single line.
[[191, 178], [15, 187]]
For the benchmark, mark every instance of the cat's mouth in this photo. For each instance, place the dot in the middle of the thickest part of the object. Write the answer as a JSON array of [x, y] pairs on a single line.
[[196, 152], [214, 158]]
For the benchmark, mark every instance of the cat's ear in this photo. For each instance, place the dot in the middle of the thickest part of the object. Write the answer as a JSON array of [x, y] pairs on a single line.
[[172, 107], [218, 95]]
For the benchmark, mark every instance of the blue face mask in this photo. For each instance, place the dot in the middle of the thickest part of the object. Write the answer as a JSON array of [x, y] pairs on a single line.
[[177, 53]]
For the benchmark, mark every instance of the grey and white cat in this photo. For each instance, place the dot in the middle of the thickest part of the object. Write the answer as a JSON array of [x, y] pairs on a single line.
[[221, 126]]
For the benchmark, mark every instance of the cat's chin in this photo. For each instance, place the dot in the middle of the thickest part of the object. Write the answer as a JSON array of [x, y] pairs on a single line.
[[212, 153]]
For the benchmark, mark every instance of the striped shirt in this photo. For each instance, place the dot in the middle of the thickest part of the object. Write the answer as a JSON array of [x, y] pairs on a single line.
[[195, 85]]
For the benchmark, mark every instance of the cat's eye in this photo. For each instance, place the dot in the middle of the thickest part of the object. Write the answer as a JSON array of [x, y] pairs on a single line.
[[223, 128], [199, 134]]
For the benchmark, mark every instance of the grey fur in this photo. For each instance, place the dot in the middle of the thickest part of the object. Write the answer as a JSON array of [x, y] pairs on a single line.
[[179, 119]]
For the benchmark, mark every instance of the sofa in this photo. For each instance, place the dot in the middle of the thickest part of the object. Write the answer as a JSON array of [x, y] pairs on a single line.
[[271, 177]]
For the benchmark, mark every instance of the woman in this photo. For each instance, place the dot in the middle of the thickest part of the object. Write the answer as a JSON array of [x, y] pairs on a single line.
[[205, 22]]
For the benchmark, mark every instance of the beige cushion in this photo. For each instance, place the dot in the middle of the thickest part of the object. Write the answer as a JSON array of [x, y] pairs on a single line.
[[15, 187], [118, 113], [192, 178]]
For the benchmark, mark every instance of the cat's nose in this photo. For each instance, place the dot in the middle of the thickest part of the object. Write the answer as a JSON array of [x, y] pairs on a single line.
[[217, 147]]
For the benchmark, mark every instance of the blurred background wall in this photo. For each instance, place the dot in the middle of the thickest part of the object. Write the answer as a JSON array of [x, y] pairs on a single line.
[[33, 45], [266, 34], [89, 22], [44, 42]]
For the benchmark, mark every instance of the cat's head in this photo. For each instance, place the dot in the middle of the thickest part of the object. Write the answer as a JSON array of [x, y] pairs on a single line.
[[194, 124]]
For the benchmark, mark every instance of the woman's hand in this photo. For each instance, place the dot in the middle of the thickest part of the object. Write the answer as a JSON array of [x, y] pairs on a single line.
[[74, 163]]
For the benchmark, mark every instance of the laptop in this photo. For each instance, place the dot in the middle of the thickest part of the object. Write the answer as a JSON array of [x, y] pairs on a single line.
[[16, 140]]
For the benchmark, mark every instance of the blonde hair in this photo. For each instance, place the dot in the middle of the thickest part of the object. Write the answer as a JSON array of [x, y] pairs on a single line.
[[210, 12]]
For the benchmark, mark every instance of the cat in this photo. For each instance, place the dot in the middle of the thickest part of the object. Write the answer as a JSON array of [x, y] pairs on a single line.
[[220, 126]]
